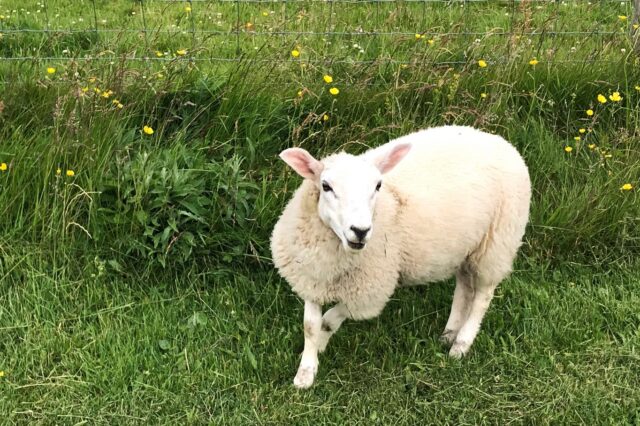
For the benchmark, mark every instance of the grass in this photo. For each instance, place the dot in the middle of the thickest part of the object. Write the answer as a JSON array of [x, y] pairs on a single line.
[[140, 290]]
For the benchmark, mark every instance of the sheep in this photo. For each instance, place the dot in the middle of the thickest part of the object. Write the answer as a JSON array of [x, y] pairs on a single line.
[[440, 202]]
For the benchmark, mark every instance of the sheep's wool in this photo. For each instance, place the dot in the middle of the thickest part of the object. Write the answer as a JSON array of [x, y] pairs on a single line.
[[460, 197]]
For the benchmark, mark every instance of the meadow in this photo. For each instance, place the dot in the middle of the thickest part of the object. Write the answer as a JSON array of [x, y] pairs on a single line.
[[139, 183]]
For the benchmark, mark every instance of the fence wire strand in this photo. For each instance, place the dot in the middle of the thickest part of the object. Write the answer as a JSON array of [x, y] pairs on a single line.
[[241, 32]]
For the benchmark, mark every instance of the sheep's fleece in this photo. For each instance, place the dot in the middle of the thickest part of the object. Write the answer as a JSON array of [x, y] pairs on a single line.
[[456, 204]]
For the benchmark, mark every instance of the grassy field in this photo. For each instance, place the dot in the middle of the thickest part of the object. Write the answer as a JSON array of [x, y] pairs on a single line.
[[139, 183]]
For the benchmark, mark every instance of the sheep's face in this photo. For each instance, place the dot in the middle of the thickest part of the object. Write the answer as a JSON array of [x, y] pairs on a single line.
[[348, 187]]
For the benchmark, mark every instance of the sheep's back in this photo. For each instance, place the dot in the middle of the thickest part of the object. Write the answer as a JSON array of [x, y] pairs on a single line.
[[455, 181]]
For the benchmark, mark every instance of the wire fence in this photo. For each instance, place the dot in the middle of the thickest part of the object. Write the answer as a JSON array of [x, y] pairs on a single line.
[[319, 30]]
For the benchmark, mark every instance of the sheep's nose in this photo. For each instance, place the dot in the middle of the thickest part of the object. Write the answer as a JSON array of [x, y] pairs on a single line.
[[361, 233]]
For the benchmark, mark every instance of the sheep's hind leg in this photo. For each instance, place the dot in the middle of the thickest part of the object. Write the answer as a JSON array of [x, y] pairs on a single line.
[[484, 289], [462, 299], [309, 363], [331, 322]]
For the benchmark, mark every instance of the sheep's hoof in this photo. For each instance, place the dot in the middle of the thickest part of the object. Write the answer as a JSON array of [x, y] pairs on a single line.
[[459, 349], [448, 336], [304, 377]]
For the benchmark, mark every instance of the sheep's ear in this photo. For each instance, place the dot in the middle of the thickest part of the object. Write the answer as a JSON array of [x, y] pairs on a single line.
[[392, 157], [302, 162]]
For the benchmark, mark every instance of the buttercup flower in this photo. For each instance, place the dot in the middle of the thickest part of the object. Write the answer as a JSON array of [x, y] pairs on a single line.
[[1, 373], [591, 145], [327, 79], [3, 167], [181, 52], [626, 187], [533, 62], [71, 173], [622, 17], [602, 99], [568, 149], [51, 70], [58, 171], [159, 54], [334, 91], [300, 93], [483, 95], [482, 63], [265, 13], [582, 130], [325, 117], [431, 41], [615, 97], [187, 9], [419, 36], [637, 88], [148, 130], [577, 138], [589, 112], [295, 53]]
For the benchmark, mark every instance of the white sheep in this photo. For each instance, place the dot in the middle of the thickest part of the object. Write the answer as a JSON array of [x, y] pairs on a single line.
[[438, 202]]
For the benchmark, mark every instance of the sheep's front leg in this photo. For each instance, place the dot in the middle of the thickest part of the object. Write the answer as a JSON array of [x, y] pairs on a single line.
[[312, 329], [331, 322]]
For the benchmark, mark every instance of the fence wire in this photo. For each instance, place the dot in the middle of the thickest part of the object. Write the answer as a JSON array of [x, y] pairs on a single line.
[[233, 30]]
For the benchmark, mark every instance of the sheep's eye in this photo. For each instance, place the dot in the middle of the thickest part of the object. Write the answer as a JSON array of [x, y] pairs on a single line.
[[326, 187], [378, 186]]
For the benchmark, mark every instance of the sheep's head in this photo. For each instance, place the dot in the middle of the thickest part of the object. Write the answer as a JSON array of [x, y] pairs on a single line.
[[348, 187]]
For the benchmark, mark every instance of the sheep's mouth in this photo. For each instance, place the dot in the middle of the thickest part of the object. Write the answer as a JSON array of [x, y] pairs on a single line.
[[355, 246]]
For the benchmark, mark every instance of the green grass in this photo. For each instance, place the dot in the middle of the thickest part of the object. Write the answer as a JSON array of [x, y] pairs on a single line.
[[140, 290], [223, 347]]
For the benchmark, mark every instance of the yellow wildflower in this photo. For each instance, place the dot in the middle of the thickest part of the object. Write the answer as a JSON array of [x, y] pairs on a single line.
[[431, 41], [637, 88], [591, 145], [51, 70], [589, 112], [577, 138], [295, 53], [71, 173], [482, 63], [300, 93], [92, 79], [115, 102], [3, 167], [181, 52], [105, 95], [533, 62], [85, 89], [265, 13], [622, 17], [159, 54], [582, 130], [334, 91], [148, 130], [568, 149], [119, 106], [636, 26], [615, 97], [483, 95], [58, 171], [187, 9], [97, 90], [602, 99], [626, 187], [419, 36], [327, 79], [325, 117], [1, 373]]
